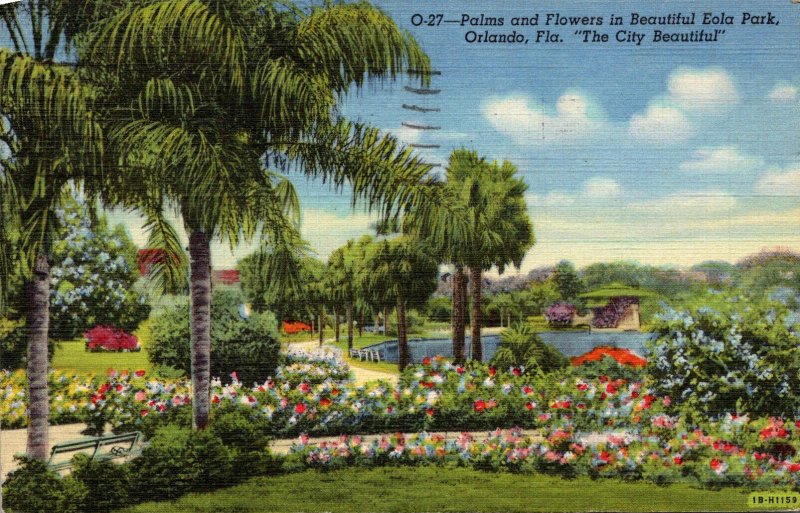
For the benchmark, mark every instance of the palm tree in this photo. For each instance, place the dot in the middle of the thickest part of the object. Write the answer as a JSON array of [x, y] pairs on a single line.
[[344, 265], [53, 141], [400, 270], [190, 67]]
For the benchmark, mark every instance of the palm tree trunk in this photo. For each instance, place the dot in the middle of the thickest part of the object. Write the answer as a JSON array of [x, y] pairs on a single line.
[[385, 321], [361, 325], [402, 340], [336, 323], [200, 290], [475, 278], [38, 322], [321, 326], [350, 326], [458, 317]]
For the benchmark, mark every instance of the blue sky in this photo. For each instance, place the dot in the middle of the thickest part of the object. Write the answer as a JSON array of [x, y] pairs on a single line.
[[663, 153]]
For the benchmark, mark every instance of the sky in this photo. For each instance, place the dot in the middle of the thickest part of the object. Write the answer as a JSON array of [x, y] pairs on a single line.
[[663, 153]]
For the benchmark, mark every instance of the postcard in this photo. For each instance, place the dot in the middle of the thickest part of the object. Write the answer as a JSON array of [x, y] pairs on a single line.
[[394, 255]]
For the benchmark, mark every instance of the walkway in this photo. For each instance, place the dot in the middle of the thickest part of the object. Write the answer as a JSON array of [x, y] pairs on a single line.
[[361, 374]]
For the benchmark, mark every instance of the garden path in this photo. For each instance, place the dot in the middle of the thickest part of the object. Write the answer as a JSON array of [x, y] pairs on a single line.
[[361, 375]]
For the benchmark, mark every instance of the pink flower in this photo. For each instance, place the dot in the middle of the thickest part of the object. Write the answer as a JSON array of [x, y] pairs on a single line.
[[139, 373], [141, 395], [300, 408]]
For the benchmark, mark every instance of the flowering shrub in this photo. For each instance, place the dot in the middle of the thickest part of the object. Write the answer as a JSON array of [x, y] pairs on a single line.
[[290, 328], [743, 357], [560, 314], [620, 355], [106, 338], [609, 316]]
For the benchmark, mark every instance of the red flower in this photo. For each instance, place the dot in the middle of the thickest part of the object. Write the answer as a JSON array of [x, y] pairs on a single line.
[[611, 389], [389, 409], [460, 370], [715, 464], [492, 371], [144, 412], [427, 384], [605, 456], [678, 460], [304, 387], [300, 408], [634, 394], [794, 467], [335, 392], [215, 399], [429, 412], [324, 401], [603, 396], [527, 390], [426, 361], [251, 398], [529, 406], [583, 387], [515, 371], [479, 405], [139, 373]]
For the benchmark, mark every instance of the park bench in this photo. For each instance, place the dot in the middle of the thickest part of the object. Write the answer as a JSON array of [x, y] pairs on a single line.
[[366, 354], [100, 448]]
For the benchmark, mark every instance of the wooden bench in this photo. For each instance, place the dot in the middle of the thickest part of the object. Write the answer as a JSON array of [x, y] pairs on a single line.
[[366, 354], [101, 448]]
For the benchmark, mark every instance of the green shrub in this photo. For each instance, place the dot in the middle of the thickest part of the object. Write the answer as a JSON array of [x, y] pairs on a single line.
[[414, 321], [179, 460], [104, 484], [608, 366], [251, 346], [520, 346], [247, 440], [32, 488]]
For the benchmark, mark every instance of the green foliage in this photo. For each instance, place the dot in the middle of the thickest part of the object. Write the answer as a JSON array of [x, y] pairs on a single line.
[[92, 276], [567, 281], [247, 441], [439, 308], [248, 346], [737, 355], [179, 460], [414, 323], [536, 299], [607, 366], [32, 488], [520, 346], [104, 484]]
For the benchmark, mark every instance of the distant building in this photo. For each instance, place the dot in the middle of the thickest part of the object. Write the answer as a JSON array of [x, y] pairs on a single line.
[[225, 277], [147, 258]]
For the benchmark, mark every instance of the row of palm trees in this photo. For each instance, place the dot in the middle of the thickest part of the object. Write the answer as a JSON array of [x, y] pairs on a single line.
[[189, 106]]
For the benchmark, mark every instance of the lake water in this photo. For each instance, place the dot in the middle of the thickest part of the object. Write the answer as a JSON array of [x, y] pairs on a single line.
[[570, 343]]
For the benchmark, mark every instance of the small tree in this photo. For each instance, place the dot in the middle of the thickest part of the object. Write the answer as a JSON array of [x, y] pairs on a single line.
[[92, 276]]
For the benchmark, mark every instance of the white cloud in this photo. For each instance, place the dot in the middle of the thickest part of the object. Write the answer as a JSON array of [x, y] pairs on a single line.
[[326, 230], [574, 117], [601, 188], [724, 159], [783, 92], [780, 183], [709, 91], [688, 204], [660, 125], [407, 135]]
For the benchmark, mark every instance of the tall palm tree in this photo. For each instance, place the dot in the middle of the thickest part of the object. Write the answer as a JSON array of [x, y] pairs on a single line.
[[190, 67], [400, 270], [53, 141]]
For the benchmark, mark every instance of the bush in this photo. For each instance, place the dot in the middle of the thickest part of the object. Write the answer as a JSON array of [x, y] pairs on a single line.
[[560, 314], [250, 347], [414, 322], [103, 484], [742, 357], [32, 488], [247, 440], [179, 460], [522, 347], [106, 338]]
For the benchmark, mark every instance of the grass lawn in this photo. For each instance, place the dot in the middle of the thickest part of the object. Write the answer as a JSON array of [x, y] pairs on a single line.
[[70, 355], [445, 489]]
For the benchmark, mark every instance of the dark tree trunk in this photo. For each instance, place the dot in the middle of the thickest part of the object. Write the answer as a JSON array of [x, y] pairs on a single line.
[[38, 322], [321, 326], [385, 321], [459, 316], [475, 277], [200, 290], [350, 326], [361, 325], [402, 340], [336, 324]]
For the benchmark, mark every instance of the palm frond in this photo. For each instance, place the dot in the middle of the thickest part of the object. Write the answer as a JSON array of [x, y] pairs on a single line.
[[169, 272]]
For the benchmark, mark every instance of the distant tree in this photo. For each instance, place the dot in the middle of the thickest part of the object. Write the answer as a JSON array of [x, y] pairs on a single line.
[[567, 280]]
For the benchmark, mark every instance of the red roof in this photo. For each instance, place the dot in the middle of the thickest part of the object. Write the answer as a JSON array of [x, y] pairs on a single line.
[[622, 356]]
